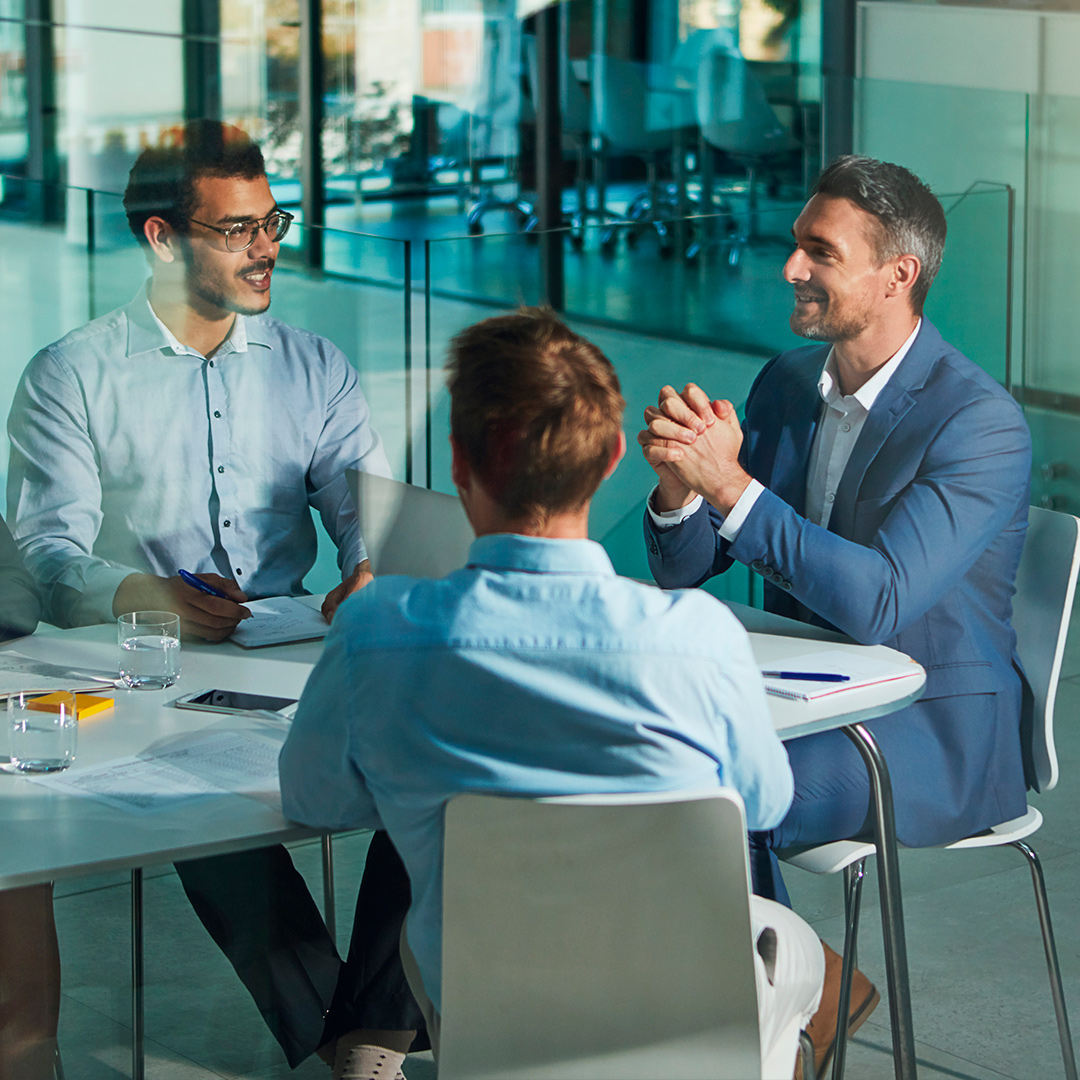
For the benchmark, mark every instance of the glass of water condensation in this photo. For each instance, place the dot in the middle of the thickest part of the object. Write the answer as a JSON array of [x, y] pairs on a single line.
[[149, 649], [42, 729]]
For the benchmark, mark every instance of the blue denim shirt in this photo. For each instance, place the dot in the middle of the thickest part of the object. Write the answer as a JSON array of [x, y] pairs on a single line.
[[133, 453], [534, 670]]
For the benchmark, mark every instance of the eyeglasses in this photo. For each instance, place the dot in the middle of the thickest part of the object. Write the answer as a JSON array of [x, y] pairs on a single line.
[[241, 235]]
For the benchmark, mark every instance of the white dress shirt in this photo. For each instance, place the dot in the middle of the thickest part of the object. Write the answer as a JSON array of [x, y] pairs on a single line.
[[841, 424], [133, 453]]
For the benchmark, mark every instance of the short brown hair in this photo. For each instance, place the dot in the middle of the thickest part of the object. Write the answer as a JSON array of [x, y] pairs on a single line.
[[162, 180], [535, 409]]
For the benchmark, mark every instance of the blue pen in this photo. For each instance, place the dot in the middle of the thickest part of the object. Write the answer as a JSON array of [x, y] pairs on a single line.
[[198, 583], [807, 676]]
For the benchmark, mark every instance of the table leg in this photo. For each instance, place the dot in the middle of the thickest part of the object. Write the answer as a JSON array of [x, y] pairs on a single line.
[[892, 911], [329, 908], [137, 1057]]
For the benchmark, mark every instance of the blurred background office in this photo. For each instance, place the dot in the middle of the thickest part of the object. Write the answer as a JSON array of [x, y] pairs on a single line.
[[637, 164]]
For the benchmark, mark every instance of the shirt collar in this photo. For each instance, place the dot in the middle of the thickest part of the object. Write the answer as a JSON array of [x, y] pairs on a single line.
[[539, 554], [866, 395], [147, 333]]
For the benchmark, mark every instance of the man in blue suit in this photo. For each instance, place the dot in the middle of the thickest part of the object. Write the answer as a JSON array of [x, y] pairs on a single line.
[[880, 486]]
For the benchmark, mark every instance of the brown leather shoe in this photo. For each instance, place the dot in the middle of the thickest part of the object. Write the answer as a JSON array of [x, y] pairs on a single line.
[[822, 1027]]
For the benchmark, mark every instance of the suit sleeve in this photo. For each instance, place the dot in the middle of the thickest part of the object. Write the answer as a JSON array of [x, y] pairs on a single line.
[[686, 555], [972, 478]]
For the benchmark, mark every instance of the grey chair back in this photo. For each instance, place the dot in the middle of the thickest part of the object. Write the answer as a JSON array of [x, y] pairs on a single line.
[[408, 529], [603, 936], [1042, 606]]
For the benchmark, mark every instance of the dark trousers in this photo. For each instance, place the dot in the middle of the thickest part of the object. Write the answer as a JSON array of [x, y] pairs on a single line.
[[258, 910]]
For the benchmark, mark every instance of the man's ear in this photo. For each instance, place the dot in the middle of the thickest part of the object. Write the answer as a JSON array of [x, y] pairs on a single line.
[[616, 455], [905, 273], [460, 471], [162, 238]]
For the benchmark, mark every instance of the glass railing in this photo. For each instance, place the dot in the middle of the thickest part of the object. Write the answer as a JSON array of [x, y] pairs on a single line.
[[697, 299]]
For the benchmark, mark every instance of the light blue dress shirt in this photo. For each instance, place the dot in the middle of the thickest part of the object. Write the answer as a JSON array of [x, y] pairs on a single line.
[[535, 670], [133, 453]]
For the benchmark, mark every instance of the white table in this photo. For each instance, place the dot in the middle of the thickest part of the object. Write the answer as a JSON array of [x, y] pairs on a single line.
[[45, 835]]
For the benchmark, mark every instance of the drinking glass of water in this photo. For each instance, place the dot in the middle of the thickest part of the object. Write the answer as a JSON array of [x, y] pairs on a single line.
[[149, 649], [42, 730]]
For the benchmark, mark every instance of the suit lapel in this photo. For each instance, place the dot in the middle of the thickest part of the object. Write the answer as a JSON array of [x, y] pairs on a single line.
[[799, 425], [888, 410]]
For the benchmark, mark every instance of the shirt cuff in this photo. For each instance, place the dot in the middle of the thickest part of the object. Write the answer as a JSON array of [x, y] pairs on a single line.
[[731, 525], [666, 518]]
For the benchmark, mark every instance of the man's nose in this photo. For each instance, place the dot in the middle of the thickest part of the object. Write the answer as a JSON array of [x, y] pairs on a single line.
[[262, 247], [797, 267]]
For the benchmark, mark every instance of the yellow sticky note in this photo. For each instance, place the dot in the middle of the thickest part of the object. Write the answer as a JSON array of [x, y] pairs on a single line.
[[86, 705]]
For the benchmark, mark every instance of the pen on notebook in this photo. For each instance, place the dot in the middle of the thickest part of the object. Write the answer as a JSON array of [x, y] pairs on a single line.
[[198, 583], [807, 676]]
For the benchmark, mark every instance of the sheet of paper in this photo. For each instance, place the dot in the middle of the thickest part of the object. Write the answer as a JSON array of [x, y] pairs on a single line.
[[19, 672], [278, 620], [235, 761]]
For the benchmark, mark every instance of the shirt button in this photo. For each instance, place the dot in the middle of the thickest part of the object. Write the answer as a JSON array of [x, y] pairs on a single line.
[[829, 496], [221, 468], [847, 427], [211, 363], [226, 523], [217, 415], [239, 571]]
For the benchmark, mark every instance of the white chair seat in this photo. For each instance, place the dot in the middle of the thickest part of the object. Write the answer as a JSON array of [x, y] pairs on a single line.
[[831, 858], [1008, 832]]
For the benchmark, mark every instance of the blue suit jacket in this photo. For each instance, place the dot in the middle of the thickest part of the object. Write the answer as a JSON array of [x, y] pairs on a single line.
[[920, 554]]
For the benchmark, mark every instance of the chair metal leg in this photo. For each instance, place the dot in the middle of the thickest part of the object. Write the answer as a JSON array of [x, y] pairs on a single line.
[[329, 908], [138, 1060], [58, 1066], [892, 909], [1056, 989], [806, 1056], [853, 879]]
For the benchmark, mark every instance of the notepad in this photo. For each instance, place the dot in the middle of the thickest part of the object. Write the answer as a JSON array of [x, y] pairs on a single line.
[[861, 668], [279, 620]]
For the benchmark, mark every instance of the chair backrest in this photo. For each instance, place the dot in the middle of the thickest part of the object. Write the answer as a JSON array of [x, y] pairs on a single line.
[[630, 114], [734, 114], [1042, 606], [408, 529], [597, 936]]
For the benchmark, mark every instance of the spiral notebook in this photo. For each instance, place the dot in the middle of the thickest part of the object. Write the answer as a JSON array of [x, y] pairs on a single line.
[[861, 669]]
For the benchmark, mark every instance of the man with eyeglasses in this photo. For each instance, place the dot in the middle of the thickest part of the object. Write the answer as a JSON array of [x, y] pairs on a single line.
[[191, 430]]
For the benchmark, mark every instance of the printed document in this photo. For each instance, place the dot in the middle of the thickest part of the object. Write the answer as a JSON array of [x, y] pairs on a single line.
[[19, 672], [241, 762]]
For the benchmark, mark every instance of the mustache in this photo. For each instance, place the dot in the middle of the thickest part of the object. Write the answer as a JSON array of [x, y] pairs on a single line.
[[810, 294], [257, 267]]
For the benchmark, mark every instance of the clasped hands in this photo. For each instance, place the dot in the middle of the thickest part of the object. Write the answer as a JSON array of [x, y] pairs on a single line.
[[693, 445]]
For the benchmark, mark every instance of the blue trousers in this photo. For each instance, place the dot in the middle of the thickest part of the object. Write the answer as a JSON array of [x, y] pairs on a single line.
[[832, 802]]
